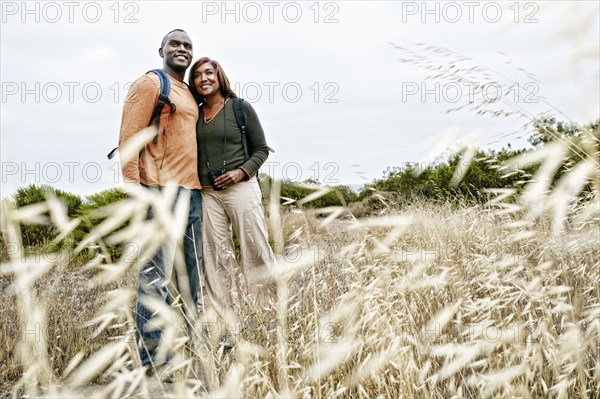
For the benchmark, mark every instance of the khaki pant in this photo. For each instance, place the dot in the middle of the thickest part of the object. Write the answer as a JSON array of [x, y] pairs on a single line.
[[226, 282]]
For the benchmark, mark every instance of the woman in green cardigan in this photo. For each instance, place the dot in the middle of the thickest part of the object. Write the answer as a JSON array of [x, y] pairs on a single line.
[[231, 196]]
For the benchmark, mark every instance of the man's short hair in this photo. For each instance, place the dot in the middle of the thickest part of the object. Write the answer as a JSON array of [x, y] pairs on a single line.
[[164, 40]]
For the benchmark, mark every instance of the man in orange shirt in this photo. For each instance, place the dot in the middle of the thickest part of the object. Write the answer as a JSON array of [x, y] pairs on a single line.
[[171, 158]]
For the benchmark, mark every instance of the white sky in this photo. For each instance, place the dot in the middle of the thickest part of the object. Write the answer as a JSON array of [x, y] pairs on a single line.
[[64, 67]]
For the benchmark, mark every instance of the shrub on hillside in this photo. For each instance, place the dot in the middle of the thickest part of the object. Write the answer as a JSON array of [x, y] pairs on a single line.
[[338, 196], [41, 234], [88, 211], [434, 182]]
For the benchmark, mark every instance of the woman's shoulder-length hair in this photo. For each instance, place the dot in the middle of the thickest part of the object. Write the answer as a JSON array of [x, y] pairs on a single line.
[[224, 85]]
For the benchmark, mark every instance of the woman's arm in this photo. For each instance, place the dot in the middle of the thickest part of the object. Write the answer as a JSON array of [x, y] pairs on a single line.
[[258, 151]]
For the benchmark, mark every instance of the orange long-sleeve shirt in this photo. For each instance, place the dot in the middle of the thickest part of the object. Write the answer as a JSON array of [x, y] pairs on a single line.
[[174, 158]]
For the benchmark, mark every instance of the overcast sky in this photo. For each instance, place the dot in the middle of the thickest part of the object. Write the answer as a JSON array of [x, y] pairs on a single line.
[[335, 98]]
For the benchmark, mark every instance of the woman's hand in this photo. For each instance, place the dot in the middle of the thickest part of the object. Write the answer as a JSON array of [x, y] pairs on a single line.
[[230, 178]]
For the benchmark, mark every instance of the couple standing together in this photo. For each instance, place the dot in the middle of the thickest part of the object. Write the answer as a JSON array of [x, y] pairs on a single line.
[[200, 148]]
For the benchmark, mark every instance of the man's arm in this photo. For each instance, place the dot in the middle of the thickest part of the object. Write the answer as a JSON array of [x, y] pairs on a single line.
[[137, 111]]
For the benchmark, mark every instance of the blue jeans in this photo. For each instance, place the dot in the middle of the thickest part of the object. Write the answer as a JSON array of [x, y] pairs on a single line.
[[155, 280]]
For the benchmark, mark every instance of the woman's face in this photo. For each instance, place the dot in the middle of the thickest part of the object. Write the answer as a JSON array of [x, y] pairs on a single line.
[[205, 79]]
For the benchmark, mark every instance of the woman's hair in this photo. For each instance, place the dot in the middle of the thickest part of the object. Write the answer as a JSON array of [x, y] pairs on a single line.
[[224, 86]]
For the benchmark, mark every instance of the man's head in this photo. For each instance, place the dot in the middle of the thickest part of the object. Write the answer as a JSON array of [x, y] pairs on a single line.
[[176, 52]]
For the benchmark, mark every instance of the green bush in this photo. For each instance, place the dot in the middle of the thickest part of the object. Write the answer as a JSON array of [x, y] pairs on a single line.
[[40, 235], [434, 181], [89, 220], [37, 237], [338, 196]]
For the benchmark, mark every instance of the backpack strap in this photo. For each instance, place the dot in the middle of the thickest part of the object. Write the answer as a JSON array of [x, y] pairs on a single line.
[[113, 152], [163, 99], [238, 110]]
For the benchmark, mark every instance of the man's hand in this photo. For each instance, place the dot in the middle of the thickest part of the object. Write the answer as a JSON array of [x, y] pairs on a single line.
[[130, 189], [230, 178]]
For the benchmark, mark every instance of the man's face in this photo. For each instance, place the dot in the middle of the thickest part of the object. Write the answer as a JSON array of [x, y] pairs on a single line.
[[177, 51]]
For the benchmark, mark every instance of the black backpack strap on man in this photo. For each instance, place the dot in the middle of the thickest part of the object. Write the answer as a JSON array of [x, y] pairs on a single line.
[[163, 99]]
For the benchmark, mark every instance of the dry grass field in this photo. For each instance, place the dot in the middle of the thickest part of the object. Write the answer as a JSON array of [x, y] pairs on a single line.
[[397, 300], [421, 300]]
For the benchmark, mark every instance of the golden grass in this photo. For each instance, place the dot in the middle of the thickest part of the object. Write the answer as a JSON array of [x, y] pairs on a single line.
[[428, 301]]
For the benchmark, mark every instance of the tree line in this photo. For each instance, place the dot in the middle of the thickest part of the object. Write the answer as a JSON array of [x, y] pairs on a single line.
[[406, 183]]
